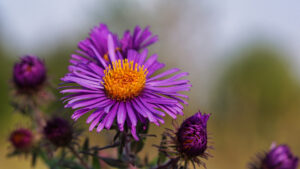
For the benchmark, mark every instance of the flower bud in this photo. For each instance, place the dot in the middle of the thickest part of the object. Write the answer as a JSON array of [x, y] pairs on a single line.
[[280, 157], [192, 135], [189, 142], [21, 139], [59, 132], [29, 73]]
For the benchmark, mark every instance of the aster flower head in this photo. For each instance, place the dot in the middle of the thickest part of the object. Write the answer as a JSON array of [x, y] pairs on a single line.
[[29, 73], [59, 131], [122, 88], [278, 157], [97, 43], [189, 141], [21, 139], [139, 39]]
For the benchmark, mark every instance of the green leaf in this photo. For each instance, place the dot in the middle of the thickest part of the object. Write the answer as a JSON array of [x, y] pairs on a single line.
[[85, 148], [143, 128], [137, 146], [161, 156], [44, 157], [70, 164], [12, 154], [152, 163], [33, 158], [96, 162]]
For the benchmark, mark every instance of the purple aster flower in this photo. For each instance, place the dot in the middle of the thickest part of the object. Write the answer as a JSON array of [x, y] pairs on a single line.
[[21, 139], [59, 131], [29, 73], [189, 141], [122, 87], [279, 157], [192, 135], [138, 40], [97, 42]]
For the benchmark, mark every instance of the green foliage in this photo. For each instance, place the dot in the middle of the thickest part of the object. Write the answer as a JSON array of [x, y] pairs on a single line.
[[258, 85], [96, 162]]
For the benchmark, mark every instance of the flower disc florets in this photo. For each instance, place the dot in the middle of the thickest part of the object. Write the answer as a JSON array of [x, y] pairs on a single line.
[[29, 73], [59, 132], [21, 139], [125, 80]]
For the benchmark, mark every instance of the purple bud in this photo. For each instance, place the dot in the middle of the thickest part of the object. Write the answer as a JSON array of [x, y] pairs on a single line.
[[58, 131], [280, 157], [192, 135], [21, 139], [29, 73]]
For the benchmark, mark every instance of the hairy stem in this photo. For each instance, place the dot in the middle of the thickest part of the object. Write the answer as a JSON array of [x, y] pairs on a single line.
[[83, 163], [168, 164], [39, 119]]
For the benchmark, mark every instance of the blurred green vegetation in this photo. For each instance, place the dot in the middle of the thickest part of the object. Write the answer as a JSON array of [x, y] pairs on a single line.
[[256, 101]]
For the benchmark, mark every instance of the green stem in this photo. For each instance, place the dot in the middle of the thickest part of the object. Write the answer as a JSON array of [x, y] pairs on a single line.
[[83, 163], [168, 164], [39, 119]]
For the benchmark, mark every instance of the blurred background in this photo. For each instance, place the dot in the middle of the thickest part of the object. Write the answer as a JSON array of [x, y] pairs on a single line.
[[243, 58]]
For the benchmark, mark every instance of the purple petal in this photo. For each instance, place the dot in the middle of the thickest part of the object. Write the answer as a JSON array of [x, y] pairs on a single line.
[[164, 74], [150, 61], [111, 49], [85, 103], [150, 107], [149, 114], [150, 41], [138, 109], [93, 116], [111, 116], [101, 124], [85, 96], [164, 83], [99, 57], [154, 67], [170, 113], [121, 116], [170, 89], [80, 91], [105, 102], [143, 56], [78, 113], [136, 33], [96, 69], [161, 100], [133, 132], [131, 55], [131, 114]]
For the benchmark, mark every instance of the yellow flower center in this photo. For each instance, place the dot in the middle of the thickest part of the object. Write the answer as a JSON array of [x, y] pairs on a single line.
[[124, 80]]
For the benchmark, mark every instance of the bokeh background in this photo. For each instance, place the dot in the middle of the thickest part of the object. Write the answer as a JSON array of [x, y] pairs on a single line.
[[243, 58]]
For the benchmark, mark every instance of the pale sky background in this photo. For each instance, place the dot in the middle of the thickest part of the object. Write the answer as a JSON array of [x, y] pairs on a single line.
[[232, 21]]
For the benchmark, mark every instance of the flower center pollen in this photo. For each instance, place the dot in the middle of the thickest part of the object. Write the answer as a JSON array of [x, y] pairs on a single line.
[[124, 80]]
